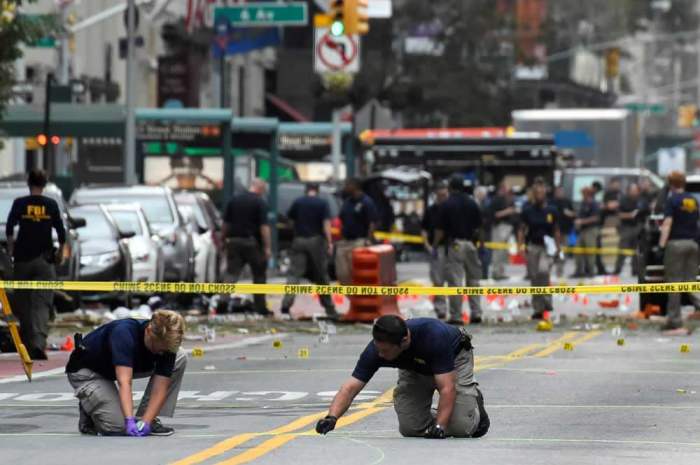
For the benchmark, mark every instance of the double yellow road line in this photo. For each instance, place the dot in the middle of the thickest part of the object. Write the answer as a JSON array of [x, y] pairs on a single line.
[[286, 433]]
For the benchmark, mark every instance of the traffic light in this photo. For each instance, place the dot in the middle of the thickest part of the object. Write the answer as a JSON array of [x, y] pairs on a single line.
[[687, 116], [612, 63], [356, 17], [43, 140], [337, 15]]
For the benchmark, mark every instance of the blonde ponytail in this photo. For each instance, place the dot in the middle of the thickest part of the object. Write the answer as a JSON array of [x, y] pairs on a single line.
[[168, 327]]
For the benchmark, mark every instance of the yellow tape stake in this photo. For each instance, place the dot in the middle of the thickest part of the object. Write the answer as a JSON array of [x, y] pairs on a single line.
[[27, 362]]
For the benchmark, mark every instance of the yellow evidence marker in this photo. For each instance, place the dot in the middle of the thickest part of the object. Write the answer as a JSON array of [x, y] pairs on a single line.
[[197, 352]]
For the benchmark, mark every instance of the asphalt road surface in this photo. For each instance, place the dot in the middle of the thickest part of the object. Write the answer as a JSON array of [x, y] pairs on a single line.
[[571, 396], [598, 403]]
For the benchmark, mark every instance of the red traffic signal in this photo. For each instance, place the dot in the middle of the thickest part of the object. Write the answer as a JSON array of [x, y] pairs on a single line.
[[42, 140], [55, 140]]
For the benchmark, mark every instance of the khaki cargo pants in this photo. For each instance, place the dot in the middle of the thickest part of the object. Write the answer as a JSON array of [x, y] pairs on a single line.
[[539, 265], [680, 265], [585, 262], [309, 259], [437, 276], [99, 397], [343, 258], [463, 259], [500, 234], [413, 400]]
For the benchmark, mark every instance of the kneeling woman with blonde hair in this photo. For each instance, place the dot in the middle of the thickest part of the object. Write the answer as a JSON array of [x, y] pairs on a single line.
[[122, 351]]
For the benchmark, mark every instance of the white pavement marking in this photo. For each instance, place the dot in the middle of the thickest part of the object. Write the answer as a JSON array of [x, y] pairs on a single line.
[[232, 345], [41, 374], [245, 342]]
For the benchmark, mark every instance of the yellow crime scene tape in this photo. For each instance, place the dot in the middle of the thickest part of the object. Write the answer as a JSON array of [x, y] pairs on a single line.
[[415, 239], [348, 290]]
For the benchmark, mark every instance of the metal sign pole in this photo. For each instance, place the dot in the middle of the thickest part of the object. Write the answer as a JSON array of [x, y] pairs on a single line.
[[129, 139]]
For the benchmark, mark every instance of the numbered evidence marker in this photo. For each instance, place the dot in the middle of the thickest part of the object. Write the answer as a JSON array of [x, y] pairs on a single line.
[[685, 348], [621, 341], [303, 352], [568, 346], [197, 352], [277, 344]]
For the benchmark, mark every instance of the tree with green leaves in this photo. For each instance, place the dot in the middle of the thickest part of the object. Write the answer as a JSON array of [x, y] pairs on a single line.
[[15, 29]]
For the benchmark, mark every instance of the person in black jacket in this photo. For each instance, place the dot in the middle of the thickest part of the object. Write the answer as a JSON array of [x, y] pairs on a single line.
[[459, 227], [35, 259]]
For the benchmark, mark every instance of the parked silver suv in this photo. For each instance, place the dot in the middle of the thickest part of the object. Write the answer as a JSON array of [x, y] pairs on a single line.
[[161, 211]]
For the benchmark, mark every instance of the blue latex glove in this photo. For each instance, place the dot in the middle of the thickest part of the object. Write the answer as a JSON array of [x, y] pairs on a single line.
[[130, 427], [144, 428]]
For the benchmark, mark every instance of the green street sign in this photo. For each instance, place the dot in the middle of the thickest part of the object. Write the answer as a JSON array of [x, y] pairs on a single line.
[[43, 42], [650, 107], [264, 14]]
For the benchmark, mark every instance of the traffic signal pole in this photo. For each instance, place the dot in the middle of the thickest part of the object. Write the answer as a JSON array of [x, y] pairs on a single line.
[[130, 133], [43, 161]]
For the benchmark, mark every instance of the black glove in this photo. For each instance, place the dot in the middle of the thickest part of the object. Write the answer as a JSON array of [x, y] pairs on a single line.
[[326, 425], [435, 431]]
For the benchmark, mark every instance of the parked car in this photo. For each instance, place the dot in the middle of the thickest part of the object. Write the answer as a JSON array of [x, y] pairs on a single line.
[[9, 191], [105, 251], [651, 265], [204, 222], [147, 261], [159, 206]]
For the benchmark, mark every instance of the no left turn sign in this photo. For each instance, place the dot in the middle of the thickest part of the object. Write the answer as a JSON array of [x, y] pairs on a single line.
[[336, 53]]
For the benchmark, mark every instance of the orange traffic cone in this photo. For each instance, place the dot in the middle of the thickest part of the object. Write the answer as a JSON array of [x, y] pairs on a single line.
[[68, 344]]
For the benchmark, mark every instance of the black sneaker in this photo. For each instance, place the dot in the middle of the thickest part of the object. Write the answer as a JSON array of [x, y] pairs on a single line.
[[455, 322], [477, 320], [159, 429], [484, 421]]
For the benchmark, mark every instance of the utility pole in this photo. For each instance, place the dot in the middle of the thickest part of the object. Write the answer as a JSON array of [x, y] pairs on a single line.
[[335, 145], [43, 161], [130, 136]]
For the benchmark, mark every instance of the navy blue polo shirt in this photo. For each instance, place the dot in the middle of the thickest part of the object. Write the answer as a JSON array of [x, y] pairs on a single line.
[[541, 220], [430, 221], [309, 213], [434, 346], [460, 217], [245, 214], [683, 208], [36, 215], [356, 216], [587, 210], [121, 343]]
